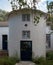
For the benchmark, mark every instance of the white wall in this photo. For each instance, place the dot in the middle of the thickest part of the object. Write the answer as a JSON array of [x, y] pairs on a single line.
[[16, 26], [3, 31]]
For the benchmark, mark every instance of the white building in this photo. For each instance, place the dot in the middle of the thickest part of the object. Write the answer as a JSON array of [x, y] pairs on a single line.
[[20, 35], [25, 38]]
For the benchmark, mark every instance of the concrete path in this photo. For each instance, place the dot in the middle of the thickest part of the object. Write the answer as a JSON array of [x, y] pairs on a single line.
[[25, 63]]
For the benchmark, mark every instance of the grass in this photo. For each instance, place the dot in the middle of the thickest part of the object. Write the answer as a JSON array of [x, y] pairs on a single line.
[[8, 60], [5, 60]]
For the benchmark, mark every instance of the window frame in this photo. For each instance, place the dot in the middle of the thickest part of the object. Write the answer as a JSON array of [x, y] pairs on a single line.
[[26, 34], [4, 42], [48, 40], [25, 17]]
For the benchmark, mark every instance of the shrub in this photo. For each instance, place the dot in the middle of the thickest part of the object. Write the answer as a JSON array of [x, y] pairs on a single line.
[[39, 60], [49, 55], [43, 61], [8, 61]]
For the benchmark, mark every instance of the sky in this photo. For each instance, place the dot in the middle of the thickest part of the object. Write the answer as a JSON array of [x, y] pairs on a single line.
[[5, 5], [42, 5]]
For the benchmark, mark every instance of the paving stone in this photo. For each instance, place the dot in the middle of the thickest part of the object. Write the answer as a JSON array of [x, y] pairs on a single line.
[[25, 63]]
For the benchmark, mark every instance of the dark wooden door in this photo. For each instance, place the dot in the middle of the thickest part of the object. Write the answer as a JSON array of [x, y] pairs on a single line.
[[26, 50], [4, 42]]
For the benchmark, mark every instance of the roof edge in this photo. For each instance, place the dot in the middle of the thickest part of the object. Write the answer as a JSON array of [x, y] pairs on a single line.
[[36, 11]]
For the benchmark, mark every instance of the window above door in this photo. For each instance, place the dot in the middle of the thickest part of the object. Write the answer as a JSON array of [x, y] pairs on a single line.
[[25, 34]]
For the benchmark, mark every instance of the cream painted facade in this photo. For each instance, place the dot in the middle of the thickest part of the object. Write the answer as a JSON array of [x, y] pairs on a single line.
[[37, 33]]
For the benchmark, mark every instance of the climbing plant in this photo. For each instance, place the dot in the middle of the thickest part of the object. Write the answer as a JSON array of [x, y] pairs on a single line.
[[18, 4], [30, 4]]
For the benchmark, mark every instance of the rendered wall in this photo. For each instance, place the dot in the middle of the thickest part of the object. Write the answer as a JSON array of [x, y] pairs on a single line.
[[37, 35]]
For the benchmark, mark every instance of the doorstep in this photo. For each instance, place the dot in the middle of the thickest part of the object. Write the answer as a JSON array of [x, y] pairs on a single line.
[[25, 63]]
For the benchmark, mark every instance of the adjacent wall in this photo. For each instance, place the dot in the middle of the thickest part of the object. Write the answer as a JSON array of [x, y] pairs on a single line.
[[49, 31], [3, 31]]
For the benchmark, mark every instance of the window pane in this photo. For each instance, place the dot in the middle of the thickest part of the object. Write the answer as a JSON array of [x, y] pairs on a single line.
[[25, 17], [28, 17], [25, 34], [28, 34], [48, 40]]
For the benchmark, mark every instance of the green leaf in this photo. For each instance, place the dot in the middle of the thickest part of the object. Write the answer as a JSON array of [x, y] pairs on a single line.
[[20, 0]]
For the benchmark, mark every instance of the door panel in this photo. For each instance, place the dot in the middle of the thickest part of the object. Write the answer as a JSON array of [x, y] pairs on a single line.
[[26, 50]]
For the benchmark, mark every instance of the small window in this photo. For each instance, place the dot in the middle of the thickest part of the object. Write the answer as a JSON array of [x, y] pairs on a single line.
[[25, 34], [5, 42], [48, 40], [25, 17]]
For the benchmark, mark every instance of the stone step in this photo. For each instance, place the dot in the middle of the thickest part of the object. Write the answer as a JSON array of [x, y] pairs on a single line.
[[25, 63]]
